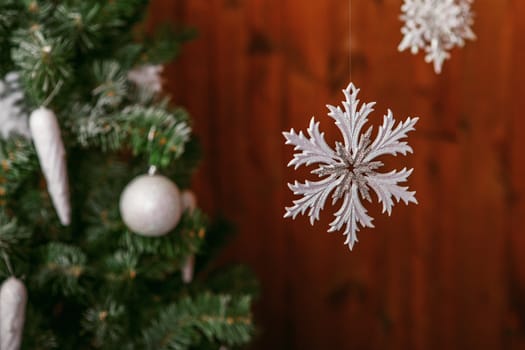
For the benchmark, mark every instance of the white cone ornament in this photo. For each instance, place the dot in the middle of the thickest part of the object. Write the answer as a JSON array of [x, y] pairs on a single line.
[[13, 300], [189, 202], [52, 155], [188, 269], [150, 205]]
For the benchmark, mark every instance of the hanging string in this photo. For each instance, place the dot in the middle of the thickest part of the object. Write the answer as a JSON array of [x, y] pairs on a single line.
[[8, 263], [53, 94], [350, 39]]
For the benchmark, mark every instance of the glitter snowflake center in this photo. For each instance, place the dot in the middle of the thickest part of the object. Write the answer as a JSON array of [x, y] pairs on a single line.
[[434, 22], [350, 169], [431, 19]]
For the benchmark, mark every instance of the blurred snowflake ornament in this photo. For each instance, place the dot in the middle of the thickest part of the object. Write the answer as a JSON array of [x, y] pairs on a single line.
[[436, 26], [13, 117], [147, 77], [350, 170]]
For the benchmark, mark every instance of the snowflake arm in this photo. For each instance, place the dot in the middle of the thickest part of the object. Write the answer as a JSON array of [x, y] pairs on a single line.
[[386, 188], [351, 120], [388, 138], [312, 150], [350, 214], [436, 55], [314, 197]]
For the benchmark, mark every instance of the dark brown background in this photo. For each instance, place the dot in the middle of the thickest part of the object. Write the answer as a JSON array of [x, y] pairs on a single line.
[[446, 274]]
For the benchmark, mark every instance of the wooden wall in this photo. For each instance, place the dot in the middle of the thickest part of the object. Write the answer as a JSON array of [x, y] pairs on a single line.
[[446, 274]]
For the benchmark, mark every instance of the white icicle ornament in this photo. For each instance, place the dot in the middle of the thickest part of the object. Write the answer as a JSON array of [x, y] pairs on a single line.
[[188, 269], [13, 300], [150, 205], [52, 155], [189, 202]]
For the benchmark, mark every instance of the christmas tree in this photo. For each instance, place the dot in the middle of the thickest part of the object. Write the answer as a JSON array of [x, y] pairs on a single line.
[[99, 234]]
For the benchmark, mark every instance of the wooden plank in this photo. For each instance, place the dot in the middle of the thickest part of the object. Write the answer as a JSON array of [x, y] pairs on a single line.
[[261, 192], [481, 201], [514, 325]]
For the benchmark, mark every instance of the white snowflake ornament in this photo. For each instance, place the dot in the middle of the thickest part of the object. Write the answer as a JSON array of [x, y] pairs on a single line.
[[436, 26], [349, 170], [13, 117], [147, 77]]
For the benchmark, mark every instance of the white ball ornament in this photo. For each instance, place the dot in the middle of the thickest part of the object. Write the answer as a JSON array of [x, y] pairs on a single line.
[[151, 205]]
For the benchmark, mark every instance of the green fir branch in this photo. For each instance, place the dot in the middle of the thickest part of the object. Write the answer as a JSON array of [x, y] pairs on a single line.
[[122, 266], [129, 11], [104, 324], [37, 334], [80, 23], [10, 16], [153, 131], [112, 84], [187, 238], [18, 160], [38, 10], [61, 268], [100, 212], [214, 318], [233, 280], [11, 233], [42, 62], [13, 240], [165, 45]]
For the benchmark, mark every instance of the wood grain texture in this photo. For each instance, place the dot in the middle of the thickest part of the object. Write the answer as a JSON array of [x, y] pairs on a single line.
[[446, 274]]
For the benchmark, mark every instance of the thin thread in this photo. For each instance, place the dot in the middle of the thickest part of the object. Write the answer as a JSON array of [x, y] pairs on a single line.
[[7, 263], [350, 39], [53, 93]]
